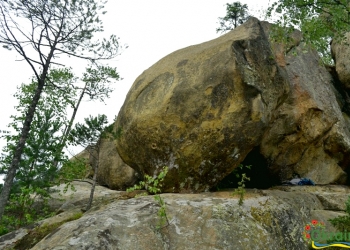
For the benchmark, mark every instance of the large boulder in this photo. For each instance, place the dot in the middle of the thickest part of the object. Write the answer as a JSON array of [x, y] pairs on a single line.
[[113, 171], [308, 133], [341, 54], [202, 109]]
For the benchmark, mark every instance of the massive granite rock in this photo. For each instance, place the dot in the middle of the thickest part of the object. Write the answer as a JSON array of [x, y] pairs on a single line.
[[202, 109], [113, 172], [268, 219], [308, 133]]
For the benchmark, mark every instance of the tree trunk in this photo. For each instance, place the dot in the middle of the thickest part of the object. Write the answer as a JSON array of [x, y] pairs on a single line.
[[5, 193], [95, 173], [69, 127]]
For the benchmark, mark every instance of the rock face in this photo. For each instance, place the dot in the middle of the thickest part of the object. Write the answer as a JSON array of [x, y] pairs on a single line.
[[112, 172], [308, 133], [341, 56], [268, 219], [202, 109]]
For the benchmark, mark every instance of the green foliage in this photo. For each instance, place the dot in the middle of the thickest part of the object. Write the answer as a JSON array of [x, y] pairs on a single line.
[[56, 30], [236, 14], [68, 26], [241, 185], [46, 126], [97, 79], [319, 21], [342, 223], [36, 171], [163, 218], [89, 133], [73, 169], [153, 185], [24, 209]]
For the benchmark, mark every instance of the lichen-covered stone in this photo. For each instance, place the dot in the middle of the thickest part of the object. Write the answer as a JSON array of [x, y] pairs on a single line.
[[202, 109], [268, 219], [308, 134], [113, 172]]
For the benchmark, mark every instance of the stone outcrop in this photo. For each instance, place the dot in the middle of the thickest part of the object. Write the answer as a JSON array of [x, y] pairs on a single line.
[[202, 109], [269, 219], [112, 172], [77, 196], [308, 133], [341, 55], [66, 204]]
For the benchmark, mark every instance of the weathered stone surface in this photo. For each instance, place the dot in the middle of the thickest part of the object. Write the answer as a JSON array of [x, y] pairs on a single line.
[[79, 196], [9, 240], [202, 109], [341, 55], [280, 49], [308, 134], [67, 205], [269, 219], [113, 172]]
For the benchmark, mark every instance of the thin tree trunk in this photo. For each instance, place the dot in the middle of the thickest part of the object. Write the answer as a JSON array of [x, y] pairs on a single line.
[[95, 174], [69, 127], [5, 193]]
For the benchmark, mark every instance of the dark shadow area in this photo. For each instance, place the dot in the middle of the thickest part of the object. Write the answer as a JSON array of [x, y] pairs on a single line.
[[341, 93], [259, 173], [347, 171]]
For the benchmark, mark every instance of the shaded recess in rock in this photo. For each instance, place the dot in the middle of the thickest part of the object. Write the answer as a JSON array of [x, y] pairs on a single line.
[[259, 173], [342, 94]]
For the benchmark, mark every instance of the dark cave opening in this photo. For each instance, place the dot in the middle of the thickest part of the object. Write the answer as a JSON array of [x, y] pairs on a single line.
[[259, 173]]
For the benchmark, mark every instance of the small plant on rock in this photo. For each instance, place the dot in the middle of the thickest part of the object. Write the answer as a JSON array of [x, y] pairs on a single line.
[[240, 190], [153, 186], [342, 223]]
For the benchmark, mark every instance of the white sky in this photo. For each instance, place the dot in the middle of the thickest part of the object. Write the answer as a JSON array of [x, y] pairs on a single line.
[[152, 29]]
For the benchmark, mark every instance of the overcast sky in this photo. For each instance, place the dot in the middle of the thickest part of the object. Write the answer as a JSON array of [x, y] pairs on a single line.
[[152, 29]]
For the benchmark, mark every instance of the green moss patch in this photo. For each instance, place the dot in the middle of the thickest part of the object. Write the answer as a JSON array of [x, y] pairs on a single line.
[[40, 232]]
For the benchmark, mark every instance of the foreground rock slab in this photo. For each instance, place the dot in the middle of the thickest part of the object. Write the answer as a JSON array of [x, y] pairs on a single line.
[[268, 219]]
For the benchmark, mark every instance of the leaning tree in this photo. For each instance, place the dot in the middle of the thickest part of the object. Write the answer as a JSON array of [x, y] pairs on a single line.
[[44, 33]]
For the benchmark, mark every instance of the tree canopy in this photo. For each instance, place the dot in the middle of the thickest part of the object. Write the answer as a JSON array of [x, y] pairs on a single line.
[[43, 32], [236, 14], [319, 21]]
